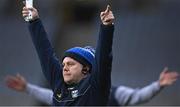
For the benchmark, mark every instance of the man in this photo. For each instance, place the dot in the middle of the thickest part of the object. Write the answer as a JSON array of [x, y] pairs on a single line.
[[120, 95], [83, 78]]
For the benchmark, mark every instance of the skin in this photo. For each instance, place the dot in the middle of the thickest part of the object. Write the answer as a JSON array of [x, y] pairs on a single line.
[[167, 78], [106, 16], [73, 71], [19, 83]]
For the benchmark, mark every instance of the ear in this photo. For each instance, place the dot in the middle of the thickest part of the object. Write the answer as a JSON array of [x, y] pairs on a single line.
[[85, 70]]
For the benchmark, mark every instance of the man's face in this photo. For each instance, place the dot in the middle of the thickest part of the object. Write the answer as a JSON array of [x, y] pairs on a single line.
[[72, 70]]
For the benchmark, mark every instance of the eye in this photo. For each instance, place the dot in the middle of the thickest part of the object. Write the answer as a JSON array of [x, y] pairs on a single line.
[[70, 64]]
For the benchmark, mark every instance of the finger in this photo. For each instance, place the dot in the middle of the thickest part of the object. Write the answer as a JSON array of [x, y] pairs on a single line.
[[106, 10], [13, 79], [10, 82], [108, 20], [25, 15], [102, 14], [173, 74], [9, 77], [110, 17], [25, 8], [109, 8], [173, 81], [25, 12], [18, 75], [103, 17], [165, 69], [28, 9], [11, 85]]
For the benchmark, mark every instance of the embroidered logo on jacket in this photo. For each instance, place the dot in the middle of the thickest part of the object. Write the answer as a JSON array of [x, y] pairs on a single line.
[[58, 95], [74, 93]]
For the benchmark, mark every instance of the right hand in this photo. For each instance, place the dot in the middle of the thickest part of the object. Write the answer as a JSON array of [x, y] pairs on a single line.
[[17, 83], [25, 13]]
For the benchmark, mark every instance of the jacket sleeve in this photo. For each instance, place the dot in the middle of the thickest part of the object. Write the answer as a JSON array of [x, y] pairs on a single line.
[[103, 60], [127, 96], [42, 94], [49, 62]]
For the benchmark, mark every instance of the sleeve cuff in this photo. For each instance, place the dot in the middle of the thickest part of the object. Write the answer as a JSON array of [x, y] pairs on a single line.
[[33, 21]]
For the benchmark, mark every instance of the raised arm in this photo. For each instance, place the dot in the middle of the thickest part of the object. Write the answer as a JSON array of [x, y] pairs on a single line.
[[49, 62], [18, 83], [128, 96], [103, 55]]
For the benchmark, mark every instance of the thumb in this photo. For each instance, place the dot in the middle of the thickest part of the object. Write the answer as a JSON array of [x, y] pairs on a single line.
[[20, 77], [165, 69]]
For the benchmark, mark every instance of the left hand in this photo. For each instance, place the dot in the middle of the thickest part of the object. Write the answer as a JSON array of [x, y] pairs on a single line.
[[107, 16], [167, 78]]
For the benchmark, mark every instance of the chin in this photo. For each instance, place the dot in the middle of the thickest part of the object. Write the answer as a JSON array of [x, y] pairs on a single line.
[[67, 81]]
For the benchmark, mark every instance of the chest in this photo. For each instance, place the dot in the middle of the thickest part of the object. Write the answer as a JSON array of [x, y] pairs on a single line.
[[72, 96]]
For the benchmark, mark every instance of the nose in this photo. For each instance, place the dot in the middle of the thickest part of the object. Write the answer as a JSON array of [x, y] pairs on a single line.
[[65, 68]]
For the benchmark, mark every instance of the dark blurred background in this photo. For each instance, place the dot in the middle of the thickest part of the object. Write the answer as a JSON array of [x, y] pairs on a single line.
[[147, 38]]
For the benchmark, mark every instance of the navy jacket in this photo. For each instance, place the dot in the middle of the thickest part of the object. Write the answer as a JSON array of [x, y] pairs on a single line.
[[92, 90]]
